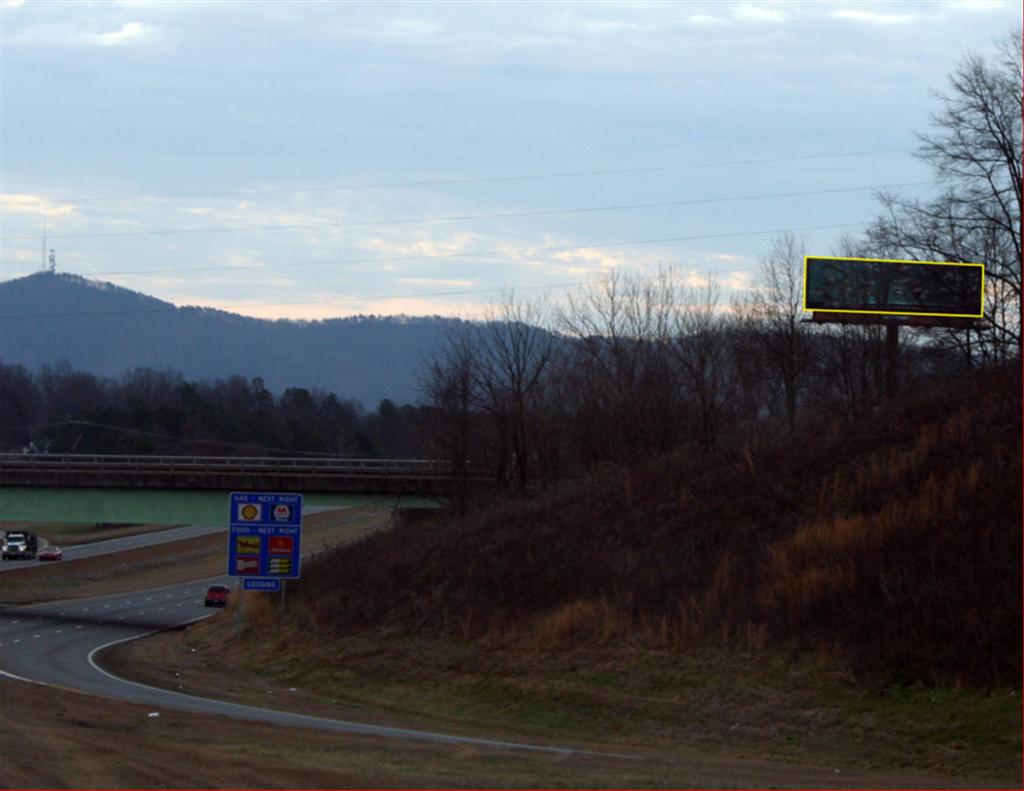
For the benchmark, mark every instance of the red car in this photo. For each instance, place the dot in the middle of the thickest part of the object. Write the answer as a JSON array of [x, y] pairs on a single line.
[[50, 553], [217, 596]]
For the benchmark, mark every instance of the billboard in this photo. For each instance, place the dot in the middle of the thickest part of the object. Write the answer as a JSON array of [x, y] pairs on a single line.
[[885, 286]]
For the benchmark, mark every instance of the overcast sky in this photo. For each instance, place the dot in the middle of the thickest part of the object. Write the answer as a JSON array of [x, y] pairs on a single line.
[[312, 160]]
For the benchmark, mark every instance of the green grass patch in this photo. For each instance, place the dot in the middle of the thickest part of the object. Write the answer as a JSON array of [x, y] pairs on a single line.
[[771, 704]]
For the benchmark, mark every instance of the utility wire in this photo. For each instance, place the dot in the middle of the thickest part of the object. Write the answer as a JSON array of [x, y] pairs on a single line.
[[449, 256], [486, 179], [468, 217], [494, 255]]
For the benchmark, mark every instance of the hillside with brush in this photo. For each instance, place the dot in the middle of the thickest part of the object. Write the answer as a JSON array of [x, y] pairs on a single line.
[[894, 540]]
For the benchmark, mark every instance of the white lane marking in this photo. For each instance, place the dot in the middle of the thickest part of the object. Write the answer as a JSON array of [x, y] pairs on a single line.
[[15, 622], [83, 609], [59, 631], [36, 636], [159, 609], [106, 606], [79, 626], [17, 639], [63, 613]]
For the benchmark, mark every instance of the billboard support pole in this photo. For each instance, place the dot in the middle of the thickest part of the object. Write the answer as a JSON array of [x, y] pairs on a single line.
[[892, 358]]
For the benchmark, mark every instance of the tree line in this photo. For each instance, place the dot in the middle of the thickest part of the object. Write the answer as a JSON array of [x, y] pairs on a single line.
[[635, 364], [60, 410]]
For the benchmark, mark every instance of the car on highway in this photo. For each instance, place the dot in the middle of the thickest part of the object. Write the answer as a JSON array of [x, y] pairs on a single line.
[[217, 596], [50, 552]]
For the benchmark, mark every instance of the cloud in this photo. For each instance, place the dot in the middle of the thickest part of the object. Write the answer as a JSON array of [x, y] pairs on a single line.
[[33, 204], [126, 34], [427, 248], [130, 34], [976, 5], [705, 20], [749, 12], [590, 255], [438, 282], [871, 17]]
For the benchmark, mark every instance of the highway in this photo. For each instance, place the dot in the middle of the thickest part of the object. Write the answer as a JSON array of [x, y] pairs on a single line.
[[111, 545], [60, 643]]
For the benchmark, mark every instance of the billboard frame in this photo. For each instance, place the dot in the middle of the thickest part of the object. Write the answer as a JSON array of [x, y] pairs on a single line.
[[894, 313]]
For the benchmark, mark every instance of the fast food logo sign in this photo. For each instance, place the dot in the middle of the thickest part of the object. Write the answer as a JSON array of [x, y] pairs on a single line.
[[265, 535]]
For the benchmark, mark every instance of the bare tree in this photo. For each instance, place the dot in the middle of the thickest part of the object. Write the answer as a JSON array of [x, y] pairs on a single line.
[[699, 347], [771, 313], [513, 351], [975, 150], [447, 384], [619, 375]]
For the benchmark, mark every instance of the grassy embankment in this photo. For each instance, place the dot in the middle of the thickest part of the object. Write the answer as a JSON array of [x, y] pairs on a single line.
[[895, 540], [849, 595]]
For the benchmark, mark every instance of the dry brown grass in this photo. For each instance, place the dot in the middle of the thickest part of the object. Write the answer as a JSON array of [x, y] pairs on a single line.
[[591, 621], [896, 539]]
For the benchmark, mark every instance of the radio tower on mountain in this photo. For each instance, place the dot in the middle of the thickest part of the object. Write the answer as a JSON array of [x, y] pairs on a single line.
[[49, 262]]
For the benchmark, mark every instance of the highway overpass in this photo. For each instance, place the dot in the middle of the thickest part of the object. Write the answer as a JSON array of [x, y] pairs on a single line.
[[179, 489]]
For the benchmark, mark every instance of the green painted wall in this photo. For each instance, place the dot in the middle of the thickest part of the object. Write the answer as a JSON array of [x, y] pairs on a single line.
[[157, 506]]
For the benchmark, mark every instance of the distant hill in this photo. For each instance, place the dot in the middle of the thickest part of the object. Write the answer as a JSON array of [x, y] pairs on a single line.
[[107, 330]]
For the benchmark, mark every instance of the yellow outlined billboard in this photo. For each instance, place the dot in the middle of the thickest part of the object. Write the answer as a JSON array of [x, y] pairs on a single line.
[[892, 287]]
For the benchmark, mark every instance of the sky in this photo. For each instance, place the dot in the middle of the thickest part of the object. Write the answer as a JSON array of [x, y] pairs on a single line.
[[313, 160]]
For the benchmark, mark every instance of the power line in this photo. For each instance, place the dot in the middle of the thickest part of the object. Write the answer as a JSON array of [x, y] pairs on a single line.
[[561, 248], [471, 217], [506, 255], [486, 179]]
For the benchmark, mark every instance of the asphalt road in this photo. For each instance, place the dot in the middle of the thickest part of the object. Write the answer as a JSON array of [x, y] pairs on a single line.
[[121, 544], [58, 643], [133, 542]]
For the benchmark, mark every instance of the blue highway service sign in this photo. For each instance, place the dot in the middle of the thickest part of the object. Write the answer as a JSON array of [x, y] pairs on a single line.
[[264, 539], [261, 585]]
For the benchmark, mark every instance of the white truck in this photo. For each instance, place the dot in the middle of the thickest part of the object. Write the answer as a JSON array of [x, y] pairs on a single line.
[[20, 545]]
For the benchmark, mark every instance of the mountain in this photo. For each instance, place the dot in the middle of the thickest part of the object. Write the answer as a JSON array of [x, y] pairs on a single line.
[[107, 330]]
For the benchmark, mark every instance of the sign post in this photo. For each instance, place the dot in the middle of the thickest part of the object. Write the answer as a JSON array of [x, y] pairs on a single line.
[[892, 293], [265, 539]]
